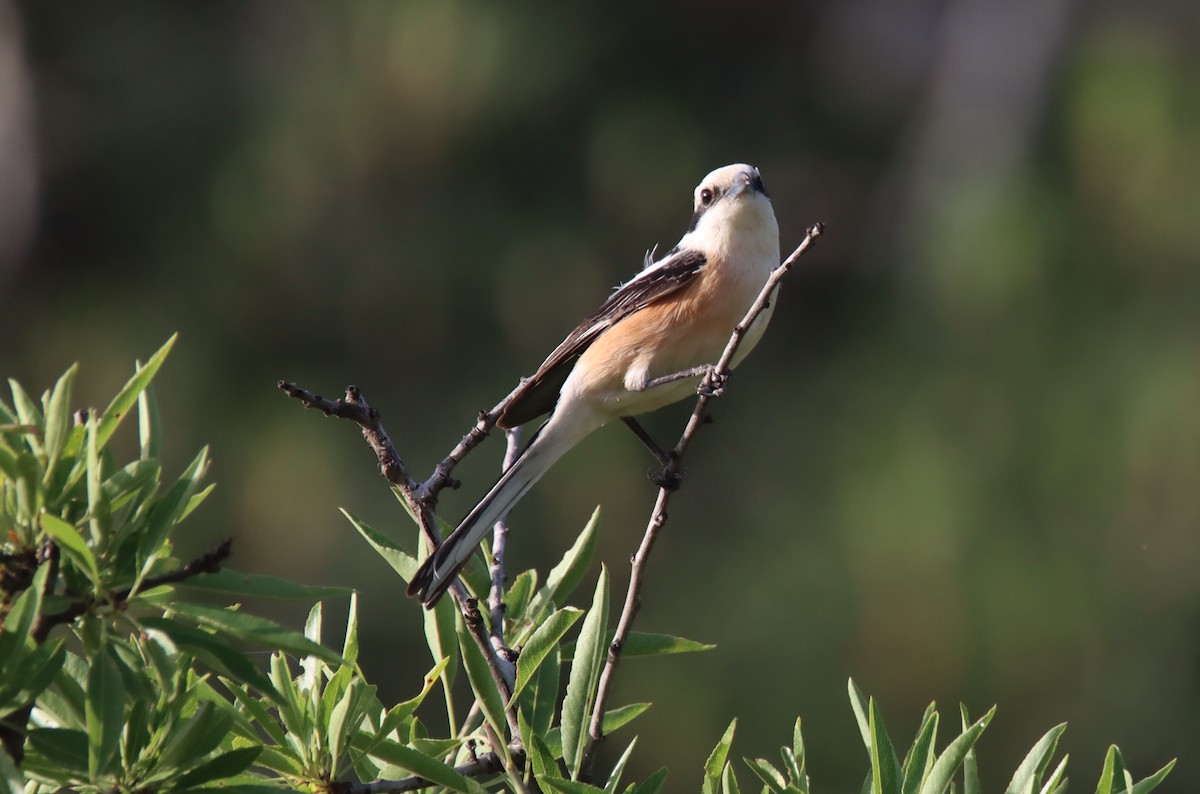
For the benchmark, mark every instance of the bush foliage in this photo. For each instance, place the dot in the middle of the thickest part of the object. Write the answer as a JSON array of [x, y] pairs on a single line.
[[117, 673]]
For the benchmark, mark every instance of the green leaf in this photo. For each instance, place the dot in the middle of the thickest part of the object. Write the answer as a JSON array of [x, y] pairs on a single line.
[[885, 768], [568, 786], [435, 748], [641, 643], [220, 767], [768, 774], [861, 708], [11, 779], [1147, 785], [8, 463], [58, 418], [431, 769], [66, 698], [715, 764], [195, 500], [442, 638], [971, 784], [276, 759], [66, 748], [234, 583], [333, 691], [402, 711], [311, 680], [652, 784], [729, 784], [952, 757], [29, 491], [257, 712], [123, 484], [255, 630], [341, 721], [1055, 781], [613, 720], [350, 643], [800, 756], [28, 676], [128, 395], [790, 766], [1113, 767], [919, 758], [105, 710], [544, 639], [73, 546], [516, 598], [27, 414], [569, 572], [99, 510], [18, 623], [585, 670], [545, 693], [137, 731], [292, 707], [167, 511], [1029, 774], [401, 561], [543, 760], [196, 736], [480, 677], [214, 651], [149, 423], [614, 777]]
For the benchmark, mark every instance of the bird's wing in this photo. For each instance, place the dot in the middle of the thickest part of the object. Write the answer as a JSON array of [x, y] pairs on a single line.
[[539, 393]]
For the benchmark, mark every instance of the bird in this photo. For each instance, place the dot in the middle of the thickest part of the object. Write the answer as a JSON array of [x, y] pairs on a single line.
[[647, 346]]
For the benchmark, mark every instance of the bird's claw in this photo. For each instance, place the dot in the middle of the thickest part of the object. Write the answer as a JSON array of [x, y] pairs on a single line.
[[668, 478], [713, 384]]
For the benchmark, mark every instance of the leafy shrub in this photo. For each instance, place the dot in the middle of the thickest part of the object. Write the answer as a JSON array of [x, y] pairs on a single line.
[[113, 679]]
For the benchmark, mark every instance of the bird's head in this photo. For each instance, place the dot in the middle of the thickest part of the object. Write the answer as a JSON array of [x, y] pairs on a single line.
[[730, 201]]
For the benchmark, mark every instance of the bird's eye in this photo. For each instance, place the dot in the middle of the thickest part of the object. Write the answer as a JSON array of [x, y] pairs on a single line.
[[706, 196]]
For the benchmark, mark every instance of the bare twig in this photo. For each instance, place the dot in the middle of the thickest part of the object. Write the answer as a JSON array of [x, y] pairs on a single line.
[[658, 516], [440, 478], [354, 407], [512, 450], [209, 562]]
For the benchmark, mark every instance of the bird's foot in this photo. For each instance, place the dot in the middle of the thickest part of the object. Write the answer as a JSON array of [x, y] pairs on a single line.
[[668, 477], [713, 384]]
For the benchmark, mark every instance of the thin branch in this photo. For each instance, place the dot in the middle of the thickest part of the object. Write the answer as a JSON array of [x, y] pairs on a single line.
[[210, 562], [354, 407], [709, 388], [512, 439], [440, 478]]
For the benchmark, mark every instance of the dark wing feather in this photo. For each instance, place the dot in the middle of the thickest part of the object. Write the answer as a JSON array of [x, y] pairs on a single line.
[[539, 393]]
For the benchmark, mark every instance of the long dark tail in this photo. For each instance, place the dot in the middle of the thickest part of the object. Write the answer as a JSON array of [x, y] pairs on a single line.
[[439, 570]]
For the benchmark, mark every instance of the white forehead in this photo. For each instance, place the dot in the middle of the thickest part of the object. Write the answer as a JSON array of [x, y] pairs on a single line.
[[723, 175]]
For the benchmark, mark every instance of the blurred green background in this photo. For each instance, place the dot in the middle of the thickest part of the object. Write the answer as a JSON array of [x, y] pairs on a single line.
[[963, 464]]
